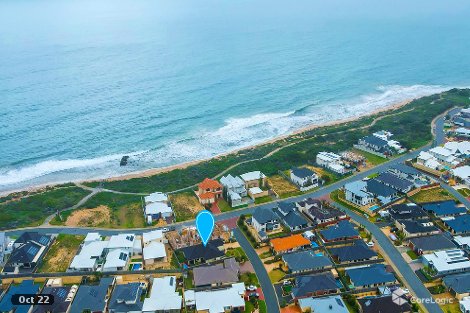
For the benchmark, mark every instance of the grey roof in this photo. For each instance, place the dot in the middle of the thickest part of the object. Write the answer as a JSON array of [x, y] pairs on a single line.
[[442, 208], [405, 169], [222, 273], [131, 293], [23, 254], [370, 275], [343, 229], [91, 297], [376, 141], [308, 284], [302, 172], [25, 287], [33, 236], [384, 304], [432, 243], [394, 181], [324, 304], [305, 260], [460, 283], [288, 213], [460, 224], [59, 305], [379, 189], [357, 251], [325, 212], [263, 215], [415, 227], [406, 211], [199, 251]]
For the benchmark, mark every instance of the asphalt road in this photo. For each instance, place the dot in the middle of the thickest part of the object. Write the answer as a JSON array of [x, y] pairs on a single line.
[[263, 278]]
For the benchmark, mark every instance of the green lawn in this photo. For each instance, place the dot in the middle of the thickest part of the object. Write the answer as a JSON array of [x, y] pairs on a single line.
[[61, 253], [338, 196], [434, 194], [188, 281], [371, 158], [276, 275], [263, 200], [249, 279], [412, 254], [32, 210], [262, 306], [451, 307], [224, 206], [237, 253], [464, 192]]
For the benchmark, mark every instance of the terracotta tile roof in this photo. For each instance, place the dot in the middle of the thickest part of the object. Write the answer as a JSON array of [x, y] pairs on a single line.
[[208, 183], [287, 243], [207, 195]]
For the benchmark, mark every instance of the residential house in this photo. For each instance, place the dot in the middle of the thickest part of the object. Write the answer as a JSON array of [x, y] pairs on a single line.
[[320, 213], [128, 242], [220, 274], [462, 132], [235, 189], [63, 297], [306, 261], [447, 261], [257, 192], [429, 244], [304, 178], [406, 211], [395, 182], [198, 254], [116, 260], [93, 297], [324, 304], [289, 244], [163, 296], [343, 230], [156, 235], [426, 159], [26, 287], [209, 191], [444, 156], [458, 285], [332, 162], [357, 193], [154, 252], [126, 298], [375, 144], [385, 194], [458, 225], [28, 251], [157, 206], [223, 300], [409, 173], [415, 228], [443, 208], [307, 286], [462, 174], [462, 242], [290, 216], [357, 252], [4, 240], [264, 221], [89, 254], [254, 179], [368, 276], [384, 304]]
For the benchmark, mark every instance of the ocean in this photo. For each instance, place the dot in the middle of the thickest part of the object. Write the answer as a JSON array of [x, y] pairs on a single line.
[[84, 82]]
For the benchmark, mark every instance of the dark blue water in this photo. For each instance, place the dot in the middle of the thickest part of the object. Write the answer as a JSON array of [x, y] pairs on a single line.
[[83, 82]]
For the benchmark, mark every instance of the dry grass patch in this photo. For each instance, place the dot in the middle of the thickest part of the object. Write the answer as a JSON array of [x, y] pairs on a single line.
[[185, 205], [282, 187], [96, 217], [61, 253], [433, 194]]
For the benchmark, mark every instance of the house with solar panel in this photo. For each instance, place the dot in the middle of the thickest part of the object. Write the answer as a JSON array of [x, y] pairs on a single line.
[[28, 251], [127, 298]]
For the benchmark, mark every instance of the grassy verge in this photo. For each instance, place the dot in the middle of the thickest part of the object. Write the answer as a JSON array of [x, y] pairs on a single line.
[[276, 275], [237, 253], [33, 209], [338, 196], [249, 279], [263, 200], [371, 158], [61, 253], [464, 192], [185, 206], [412, 254], [434, 194], [224, 206]]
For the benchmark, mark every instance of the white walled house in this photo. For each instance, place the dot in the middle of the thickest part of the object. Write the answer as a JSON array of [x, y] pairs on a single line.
[[304, 178]]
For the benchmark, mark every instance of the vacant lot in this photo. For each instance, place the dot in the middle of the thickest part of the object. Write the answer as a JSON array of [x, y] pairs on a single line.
[[96, 217], [31, 210], [61, 253], [283, 187], [372, 159], [434, 194], [185, 205]]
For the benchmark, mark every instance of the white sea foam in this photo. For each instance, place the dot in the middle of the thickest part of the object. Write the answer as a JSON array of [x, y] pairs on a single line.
[[236, 133]]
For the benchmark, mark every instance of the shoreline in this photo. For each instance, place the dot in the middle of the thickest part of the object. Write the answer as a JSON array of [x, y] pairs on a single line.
[[154, 171]]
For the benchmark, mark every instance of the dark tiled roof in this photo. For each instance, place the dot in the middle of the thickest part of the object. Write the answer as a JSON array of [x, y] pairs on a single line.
[[379, 189], [33, 236], [460, 224], [358, 251], [25, 287], [290, 216], [60, 305], [222, 273], [460, 283], [25, 253], [406, 211], [432, 243], [210, 251], [310, 202], [263, 215], [130, 292], [415, 227], [370, 275], [305, 260], [405, 169], [91, 297], [441, 208], [308, 284], [325, 212], [343, 229], [383, 305], [394, 181], [376, 141], [302, 172]]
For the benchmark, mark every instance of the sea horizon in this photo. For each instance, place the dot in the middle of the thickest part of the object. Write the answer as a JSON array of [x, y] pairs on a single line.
[[168, 85]]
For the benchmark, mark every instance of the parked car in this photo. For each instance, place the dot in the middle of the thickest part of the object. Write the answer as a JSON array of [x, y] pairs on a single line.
[[251, 288]]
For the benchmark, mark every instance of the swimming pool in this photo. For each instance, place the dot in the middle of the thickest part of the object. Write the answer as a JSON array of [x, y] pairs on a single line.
[[374, 208], [136, 266]]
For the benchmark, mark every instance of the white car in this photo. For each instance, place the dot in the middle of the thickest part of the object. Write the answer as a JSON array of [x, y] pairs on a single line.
[[251, 288], [370, 244]]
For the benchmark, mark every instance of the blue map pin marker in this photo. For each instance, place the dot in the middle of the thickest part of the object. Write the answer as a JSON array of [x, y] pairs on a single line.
[[205, 225]]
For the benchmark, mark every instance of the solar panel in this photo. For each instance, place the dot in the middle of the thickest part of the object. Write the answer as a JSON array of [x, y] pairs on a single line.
[[61, 293], [32, 250], [43, 240]]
